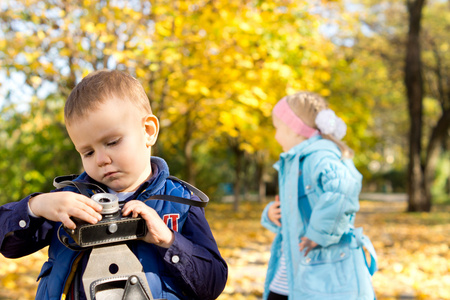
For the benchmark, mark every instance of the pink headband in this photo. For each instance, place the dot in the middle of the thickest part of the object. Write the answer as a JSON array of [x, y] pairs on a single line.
[[285, 114]]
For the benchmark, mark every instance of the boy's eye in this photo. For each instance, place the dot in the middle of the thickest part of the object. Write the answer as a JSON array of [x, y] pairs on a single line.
[[112, 143], [87, 154]]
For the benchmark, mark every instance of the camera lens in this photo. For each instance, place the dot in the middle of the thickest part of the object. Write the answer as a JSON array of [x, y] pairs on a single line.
[[109, 202]]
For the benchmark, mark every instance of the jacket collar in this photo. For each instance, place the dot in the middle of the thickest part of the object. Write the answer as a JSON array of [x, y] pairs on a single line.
[[308, 146], [160, 171]]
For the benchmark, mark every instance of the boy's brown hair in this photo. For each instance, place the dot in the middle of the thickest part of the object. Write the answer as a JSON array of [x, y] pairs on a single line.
[[98, 87]]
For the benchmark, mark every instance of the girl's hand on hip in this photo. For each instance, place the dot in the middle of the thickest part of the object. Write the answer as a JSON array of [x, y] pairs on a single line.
[[307, 244]]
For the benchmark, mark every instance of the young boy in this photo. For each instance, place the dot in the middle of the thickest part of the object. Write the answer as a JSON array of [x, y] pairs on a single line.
[[110, 122]]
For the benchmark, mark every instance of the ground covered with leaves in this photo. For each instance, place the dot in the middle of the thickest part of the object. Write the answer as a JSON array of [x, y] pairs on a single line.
[[413, 252]]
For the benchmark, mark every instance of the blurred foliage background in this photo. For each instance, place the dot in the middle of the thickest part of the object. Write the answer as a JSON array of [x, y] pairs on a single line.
[[213, 71]]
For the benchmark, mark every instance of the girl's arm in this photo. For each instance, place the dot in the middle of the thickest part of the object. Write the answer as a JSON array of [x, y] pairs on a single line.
[[265, 220], [338, 201]]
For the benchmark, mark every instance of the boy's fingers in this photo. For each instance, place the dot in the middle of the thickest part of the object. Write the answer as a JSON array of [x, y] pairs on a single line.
[[65, 219], [86, 214], [127, 208], [137, 212], [91, 203], [90, 206], [133, 207]]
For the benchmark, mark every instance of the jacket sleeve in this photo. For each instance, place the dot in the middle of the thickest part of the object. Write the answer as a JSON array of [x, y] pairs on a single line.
[[21, 234], [338, 200], [266, 222], [195, 256]]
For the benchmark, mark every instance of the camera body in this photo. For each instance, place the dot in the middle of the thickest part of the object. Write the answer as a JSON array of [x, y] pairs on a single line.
[[112, 228]]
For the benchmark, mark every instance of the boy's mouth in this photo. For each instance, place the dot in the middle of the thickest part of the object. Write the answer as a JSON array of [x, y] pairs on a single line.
[[109, 174]]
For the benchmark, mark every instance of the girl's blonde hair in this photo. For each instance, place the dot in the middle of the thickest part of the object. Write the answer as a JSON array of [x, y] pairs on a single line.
[[306, 106]]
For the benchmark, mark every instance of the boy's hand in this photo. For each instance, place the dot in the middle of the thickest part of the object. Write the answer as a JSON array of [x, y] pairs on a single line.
[[274, 212], [60, 206], [158, 232], [307, 244]]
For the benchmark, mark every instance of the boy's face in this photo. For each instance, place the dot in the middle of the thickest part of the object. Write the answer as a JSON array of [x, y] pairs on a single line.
[[114, 142], [285, 136]]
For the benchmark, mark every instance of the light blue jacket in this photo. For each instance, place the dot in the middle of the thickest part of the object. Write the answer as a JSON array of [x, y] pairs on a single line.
[[319, 198]]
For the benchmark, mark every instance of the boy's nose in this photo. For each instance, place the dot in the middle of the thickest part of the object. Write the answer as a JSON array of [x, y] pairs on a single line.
[[103, 159]]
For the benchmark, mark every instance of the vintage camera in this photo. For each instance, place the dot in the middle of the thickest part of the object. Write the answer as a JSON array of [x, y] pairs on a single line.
[[113, 228]]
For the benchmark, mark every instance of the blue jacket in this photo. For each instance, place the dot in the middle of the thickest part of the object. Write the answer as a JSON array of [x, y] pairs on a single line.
[[199, 273], [319, 198]]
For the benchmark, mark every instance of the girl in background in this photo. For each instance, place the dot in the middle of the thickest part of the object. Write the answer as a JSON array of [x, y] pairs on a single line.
[[317, 253]]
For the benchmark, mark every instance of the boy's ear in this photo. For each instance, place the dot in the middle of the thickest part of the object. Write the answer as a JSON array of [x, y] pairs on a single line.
[[151, 127]]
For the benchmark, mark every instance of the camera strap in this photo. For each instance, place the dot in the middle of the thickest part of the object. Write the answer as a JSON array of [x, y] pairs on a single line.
[[202, 196], [83, 188], [69, 180]]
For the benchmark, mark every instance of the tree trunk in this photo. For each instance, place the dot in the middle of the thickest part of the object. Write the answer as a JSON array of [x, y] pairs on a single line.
[[246, 185], [261, 183], [435, 146], [189, 165], [237, 183], [188, 147], [418, 198]]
